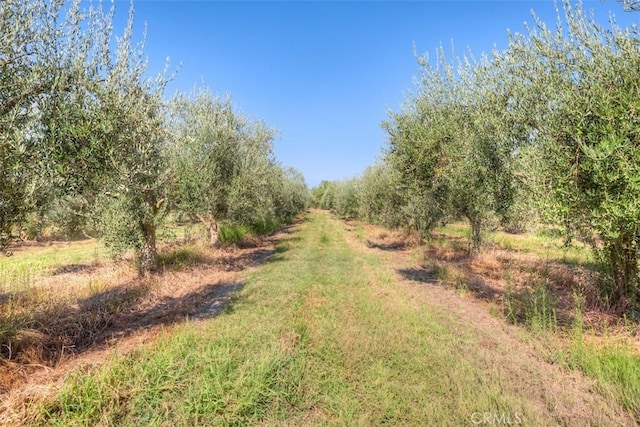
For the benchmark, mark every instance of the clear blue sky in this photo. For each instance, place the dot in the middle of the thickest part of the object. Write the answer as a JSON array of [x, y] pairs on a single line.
[[324, 74]]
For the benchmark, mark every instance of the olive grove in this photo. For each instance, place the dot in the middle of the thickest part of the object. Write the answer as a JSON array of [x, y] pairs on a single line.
[[544, 131], [225, 169], [88, 139]]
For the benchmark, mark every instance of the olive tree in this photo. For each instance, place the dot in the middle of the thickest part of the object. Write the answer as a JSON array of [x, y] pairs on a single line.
[[44, 53], [416, 151], [346, 198], [105, 133], [379, 200], [79, 119], [452, 146], [578, 87], [223, 162], [290, 193]]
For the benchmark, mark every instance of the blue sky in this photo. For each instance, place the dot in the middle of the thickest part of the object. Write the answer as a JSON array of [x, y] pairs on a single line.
[[325, 74]]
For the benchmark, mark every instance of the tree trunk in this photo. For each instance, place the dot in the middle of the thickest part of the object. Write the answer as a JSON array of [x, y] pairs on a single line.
[[213, 233], [624, 268], [476, 236], [212, 227], [148, 252]]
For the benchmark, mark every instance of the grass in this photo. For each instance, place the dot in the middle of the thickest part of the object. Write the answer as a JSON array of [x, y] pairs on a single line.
[[30, 263], [306, 341], [179, 257], [18, 271], [544, 243], [615, 366], [63, 294]]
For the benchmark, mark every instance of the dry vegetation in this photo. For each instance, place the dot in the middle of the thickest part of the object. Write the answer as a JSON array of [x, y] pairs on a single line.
[[507, 275], [551, 293], [73, 314], [366, 326]]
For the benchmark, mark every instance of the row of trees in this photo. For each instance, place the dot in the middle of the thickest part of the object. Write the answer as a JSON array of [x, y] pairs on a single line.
[[547, 130], [86, 137]]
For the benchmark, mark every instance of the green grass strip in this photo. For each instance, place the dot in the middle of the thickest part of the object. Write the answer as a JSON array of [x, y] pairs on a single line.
[[321, 334]]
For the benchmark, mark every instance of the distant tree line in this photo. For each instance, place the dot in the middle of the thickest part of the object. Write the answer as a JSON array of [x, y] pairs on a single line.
[[545, 131], [88, 141]]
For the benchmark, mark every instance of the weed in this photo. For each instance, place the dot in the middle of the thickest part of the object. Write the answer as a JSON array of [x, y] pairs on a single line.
[[438, 271], [233, 233], [265, 226], [494, 310], [578, 320], [616, 367], [540, 312], [179, 257], [509, 306], [462, 286]]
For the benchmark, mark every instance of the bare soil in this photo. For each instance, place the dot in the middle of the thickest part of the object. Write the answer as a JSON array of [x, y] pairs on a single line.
[[126, 313], [504, 347], [129, 312]]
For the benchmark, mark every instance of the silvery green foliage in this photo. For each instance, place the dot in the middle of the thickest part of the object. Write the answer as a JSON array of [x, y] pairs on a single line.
[[630, 5], [552, 121], [123, 120], [577, 86], [42, 49], [290, 194], [79, 118], [452, 145], [345, 202], [225, 170], [379, 198], [327, 195]]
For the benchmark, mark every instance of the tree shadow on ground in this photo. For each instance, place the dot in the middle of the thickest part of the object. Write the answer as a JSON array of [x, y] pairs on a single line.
[[230, 258], [419, 275], [474, 283], [200, 304], [394, 245], [74, 268], [516, 303], [47, 336], [35, 333]]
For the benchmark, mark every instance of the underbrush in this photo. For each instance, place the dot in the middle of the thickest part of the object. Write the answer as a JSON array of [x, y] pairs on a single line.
[[614, 365], [62, 299], [553, 291], [609, 359], [177, 257], [545, 243], [233, 233]]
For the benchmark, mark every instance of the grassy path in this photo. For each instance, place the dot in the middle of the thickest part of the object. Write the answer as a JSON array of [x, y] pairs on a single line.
[[326, 332]]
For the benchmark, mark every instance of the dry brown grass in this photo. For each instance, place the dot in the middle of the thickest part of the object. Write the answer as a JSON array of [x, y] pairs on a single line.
[[496, 274], [434, 279], [78, 312]]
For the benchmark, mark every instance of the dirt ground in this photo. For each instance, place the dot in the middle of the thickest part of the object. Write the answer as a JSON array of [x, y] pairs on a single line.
[[568, 394], [125, 314], [131, 312]]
